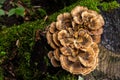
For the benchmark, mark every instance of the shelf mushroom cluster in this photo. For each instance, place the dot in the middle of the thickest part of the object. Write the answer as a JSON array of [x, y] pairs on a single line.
[[74, 38]]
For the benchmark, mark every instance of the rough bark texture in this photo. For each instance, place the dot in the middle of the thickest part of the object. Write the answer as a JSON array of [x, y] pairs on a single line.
[[108, 68], [109, 56], [109, 63]]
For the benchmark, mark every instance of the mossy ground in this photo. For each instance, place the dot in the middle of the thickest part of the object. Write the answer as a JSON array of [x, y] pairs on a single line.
[[25, 34]]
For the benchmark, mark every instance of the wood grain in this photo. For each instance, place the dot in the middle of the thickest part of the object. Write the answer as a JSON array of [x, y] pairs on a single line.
[[108, 67]]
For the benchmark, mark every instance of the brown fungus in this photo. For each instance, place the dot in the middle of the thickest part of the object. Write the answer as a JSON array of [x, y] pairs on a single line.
[[82, 40], [87, 18], [75, 67], [64, 38], [63, 21], [54, 62], [96, 38], [66, 51], [57, 54], [74, 38], [96, 32], [50, 40], [50, 54], [55, 39], [88, 58], [76, 13], [52, 28], [96, 22]]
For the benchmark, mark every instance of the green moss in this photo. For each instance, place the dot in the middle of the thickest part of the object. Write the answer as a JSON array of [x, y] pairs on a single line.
[[61, 75], [1, 74], [23, 71], [109, 5], [91, 4]]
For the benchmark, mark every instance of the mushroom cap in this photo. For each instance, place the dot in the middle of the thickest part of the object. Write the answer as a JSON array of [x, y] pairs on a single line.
[[90, 69], [63, 21], [89, 18], [72, 59], [88, 14], [62, 17], [62, 34], [75, 67], [78, 20], [95, 48], [74, 38], [59, 25], [78, 10], [96, 32], [83, 62], [76, 13], [55, 39], [67, 42], [63, 37], [75, 26], [70, 31], [52, 27], [66, 51], [57, 54], [54, 62], [83, 41], [65, 63], [96, 38], [50, 40], [88, 58], [92, 19], [96, 22], [50, 54]]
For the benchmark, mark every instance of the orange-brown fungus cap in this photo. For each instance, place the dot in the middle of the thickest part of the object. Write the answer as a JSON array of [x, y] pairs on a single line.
[[74, 38]]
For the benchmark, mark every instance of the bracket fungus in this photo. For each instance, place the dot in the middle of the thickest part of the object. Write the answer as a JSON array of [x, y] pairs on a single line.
[[74, 38]]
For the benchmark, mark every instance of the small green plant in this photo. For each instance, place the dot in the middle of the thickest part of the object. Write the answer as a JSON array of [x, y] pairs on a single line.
[[19, 11], [1, 74], [2, 53], [1, 10]]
